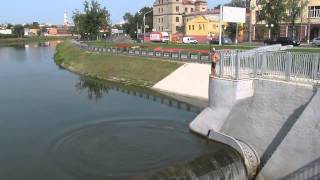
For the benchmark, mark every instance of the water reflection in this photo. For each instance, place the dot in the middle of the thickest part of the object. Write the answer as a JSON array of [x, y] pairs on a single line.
[[25, 44], [96, 89]]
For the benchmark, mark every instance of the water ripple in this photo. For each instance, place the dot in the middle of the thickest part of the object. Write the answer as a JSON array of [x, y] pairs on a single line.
[[123, 148]]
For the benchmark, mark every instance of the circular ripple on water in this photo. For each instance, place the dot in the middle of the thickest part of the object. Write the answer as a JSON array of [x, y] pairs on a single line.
[[123, 148]]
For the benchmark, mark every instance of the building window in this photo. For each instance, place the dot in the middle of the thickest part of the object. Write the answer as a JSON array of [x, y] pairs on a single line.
[[191, 9], [314, 11], [159, 10], [200, 27], [161, 19], [203, 27], [177, 19], [186, 10], [177, 28], [192, 27], [162, 10], [189, 27], [177, 0], [177, 8]]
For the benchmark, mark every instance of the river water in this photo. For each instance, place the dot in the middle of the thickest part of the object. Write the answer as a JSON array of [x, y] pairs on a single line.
[[58, 125]]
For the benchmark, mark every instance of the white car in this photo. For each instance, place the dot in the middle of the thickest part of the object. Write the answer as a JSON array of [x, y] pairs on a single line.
[[189, 40], [316, 41]]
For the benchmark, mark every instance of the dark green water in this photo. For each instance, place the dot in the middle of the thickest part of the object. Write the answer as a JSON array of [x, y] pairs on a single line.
[[57, 125]]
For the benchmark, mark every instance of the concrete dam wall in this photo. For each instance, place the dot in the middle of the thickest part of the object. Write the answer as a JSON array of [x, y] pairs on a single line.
[[279, 120]]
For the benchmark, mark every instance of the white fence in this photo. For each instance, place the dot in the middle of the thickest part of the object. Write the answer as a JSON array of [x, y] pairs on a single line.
[[279, 65]]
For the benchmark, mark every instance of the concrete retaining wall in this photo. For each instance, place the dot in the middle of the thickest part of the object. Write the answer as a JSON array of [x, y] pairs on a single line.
[[299, 148], [223, 95], [278, 119], [257, 120]]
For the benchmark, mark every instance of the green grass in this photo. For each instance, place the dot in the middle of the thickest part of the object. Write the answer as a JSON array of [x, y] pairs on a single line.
[[305, 49], [182, 46], [132, 70], [10, 41]]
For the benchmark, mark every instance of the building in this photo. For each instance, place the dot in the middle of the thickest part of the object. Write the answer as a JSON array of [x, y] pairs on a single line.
[[202, 27], [168, 15], [31, 32], [6, 31], [307, 26]]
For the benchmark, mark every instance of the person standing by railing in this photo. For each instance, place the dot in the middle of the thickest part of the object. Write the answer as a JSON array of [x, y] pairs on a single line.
[[214, 59]]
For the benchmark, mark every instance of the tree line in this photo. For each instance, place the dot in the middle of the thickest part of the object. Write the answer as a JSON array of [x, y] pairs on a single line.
[[94, 17]]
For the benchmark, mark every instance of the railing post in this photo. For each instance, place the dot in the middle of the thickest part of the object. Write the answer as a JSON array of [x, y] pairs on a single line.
[[288, 66], [315, 64], [221, 63], [263, 63], [237, 66], [255, 64]]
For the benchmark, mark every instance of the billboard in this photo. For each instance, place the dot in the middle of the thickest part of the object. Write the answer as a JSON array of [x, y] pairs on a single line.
[[234, 14]]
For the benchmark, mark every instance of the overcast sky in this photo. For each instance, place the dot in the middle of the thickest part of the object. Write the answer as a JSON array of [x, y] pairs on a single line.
[[51, 11]]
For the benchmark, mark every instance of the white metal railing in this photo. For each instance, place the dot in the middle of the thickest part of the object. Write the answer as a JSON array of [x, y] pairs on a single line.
[[314, 13], [287, 66]]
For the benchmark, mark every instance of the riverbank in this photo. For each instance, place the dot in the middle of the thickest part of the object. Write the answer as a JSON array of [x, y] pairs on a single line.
[[130, 70], [12, 41]]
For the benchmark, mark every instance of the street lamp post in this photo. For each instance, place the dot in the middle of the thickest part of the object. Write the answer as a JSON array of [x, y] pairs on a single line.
[[144, 24], [269, 26], [105, 36]]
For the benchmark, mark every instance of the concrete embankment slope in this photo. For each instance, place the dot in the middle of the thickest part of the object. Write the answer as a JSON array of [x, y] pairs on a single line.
[[190, 80], [258, 119], [298, 154], [279, 120]]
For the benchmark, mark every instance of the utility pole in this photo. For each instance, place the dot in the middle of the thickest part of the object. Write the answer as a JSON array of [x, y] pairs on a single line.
[[220, 24], [137, 31], [250, 23], [144, 24]]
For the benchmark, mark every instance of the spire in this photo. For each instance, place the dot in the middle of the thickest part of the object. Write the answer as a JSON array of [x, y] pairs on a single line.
[[65, 19]]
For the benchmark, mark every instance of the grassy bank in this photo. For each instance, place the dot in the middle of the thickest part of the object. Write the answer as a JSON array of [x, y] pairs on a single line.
[[10, 41], [132, 70], [182, 46]]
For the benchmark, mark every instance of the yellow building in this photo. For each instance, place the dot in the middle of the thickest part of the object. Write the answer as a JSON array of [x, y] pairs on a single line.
[[201, 27]]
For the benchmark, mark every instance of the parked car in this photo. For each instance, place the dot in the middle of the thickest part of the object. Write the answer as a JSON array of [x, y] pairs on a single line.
[[189, 40], [283, 41], [316, 41], [224, 40]]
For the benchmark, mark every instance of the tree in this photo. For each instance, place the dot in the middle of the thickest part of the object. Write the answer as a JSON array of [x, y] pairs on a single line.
[[94, 18], [239, 3], [294, 8], [130, 26], [9, 26], [273, 12], [231, 30], [18, 30], [35, 25], [181, 29]]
